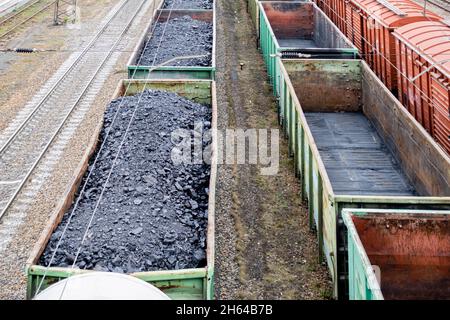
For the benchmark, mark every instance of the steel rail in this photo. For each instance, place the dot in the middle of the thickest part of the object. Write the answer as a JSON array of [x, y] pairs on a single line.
[[16, 13], [58, 82], [73, 107]]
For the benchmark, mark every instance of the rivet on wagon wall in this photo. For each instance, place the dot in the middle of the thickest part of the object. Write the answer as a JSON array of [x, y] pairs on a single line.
[[242, 65]]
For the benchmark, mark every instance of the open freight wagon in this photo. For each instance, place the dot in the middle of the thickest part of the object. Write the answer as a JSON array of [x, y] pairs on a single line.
[[174, 69], [398, 254], [190, 284], [298, 30], [355, 146]]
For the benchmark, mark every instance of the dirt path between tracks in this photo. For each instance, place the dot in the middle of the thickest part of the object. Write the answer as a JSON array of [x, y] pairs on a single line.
[[264, 247]]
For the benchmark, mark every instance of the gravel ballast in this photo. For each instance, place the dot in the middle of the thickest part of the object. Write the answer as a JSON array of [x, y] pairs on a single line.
[[153, 214], [188, 4], [182, 37]]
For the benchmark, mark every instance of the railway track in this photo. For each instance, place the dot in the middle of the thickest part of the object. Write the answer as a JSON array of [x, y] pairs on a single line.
[[441, 4], [24, 144], [7, 6], [16, 15]]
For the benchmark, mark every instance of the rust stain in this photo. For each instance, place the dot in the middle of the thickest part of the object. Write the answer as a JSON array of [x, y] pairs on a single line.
[[413, 254], [290, 20]]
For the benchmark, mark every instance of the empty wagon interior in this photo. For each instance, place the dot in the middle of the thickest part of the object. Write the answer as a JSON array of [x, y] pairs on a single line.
[[368, 144], [412, 252], [302, 25]]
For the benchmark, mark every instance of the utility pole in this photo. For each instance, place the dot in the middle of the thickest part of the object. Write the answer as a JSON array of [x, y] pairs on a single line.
[[65, 11]]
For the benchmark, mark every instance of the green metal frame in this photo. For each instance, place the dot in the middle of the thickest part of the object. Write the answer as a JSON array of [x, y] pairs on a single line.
[[271, 49], [324, 206], [172, 72], [363, 284], [188, 284]]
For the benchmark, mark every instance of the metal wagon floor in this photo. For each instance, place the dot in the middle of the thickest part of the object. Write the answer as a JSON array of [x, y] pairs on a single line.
[[355, 156], [297, 43]]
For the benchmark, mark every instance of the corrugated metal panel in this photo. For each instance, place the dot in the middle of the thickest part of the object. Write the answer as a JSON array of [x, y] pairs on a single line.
[[393, 255], [341, 14], [300, 78], [379, 42], [430, 38], [356, 32], [440, 94], [408, 12], [426, 78]]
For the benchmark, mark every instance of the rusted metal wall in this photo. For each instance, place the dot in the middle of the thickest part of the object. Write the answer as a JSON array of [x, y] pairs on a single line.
[[290, 20], [326, 87], [325, 34], [418, 154], [412, 252]]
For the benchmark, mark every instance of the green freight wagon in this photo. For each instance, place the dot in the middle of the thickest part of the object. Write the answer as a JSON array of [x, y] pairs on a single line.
[[298, 30], [136, 71], [190, 284], [355, 146], [398, 254]]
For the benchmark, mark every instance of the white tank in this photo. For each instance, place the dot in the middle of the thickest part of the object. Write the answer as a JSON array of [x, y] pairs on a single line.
[[102, 286]]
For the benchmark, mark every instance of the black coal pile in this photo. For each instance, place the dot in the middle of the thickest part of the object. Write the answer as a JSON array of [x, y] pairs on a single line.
[[188, 4], [153, 214], [182, 37]]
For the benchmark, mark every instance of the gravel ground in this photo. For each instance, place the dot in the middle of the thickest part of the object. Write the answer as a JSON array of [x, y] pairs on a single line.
[[188, 4], [12, 276], [153, 215], [264, 247], [181, 37]]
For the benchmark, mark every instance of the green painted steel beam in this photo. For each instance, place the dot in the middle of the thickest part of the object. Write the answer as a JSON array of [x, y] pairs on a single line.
[[142, 72], [196, 90]]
